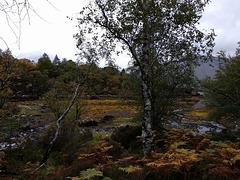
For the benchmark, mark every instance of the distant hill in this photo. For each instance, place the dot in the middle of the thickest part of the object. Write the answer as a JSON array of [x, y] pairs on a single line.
[[206, 69]]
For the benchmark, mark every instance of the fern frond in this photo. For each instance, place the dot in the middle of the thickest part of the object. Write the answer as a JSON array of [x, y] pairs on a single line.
[[131, 169], [90, 173], [176, 144]]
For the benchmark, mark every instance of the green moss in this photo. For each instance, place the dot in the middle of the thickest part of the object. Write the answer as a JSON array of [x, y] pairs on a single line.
[[101, 136], [97, 137], [120, 121], [27, 110], [192, 122]]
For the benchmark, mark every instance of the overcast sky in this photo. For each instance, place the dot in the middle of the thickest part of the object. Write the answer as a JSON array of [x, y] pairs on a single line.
[[54, 35]]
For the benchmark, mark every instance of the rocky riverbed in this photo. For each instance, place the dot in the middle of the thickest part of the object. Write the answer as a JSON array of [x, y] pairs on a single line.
[[34, 117]]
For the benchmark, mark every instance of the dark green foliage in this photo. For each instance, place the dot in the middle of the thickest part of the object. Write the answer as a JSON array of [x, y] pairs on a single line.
[[226, 135], [45, 66], [104, 81], [117, 151], [40, 83], [131, 85], [56, 60], [169, 84], [68, 144], [18, 157], [68, 71], [222, 92], [58, 96], [70, 140], [127, 137]]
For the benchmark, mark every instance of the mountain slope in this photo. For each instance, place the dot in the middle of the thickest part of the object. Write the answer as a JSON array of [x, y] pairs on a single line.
[[206, 69]]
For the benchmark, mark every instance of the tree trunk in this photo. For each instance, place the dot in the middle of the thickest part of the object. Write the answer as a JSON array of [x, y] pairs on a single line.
[[146, 86], [147, 116]]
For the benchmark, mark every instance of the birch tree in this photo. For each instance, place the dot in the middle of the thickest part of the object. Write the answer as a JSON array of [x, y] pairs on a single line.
[[155, 33]]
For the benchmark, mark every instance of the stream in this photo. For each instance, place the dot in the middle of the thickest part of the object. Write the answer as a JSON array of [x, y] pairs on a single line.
[[22, 136], [201, 126]]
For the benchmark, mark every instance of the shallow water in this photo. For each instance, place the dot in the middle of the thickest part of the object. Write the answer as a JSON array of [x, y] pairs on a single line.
[[202, 127], [20, 137]]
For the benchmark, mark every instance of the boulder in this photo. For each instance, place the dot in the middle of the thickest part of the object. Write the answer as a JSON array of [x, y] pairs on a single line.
[[26, 127], [107, 118], [88, 122], [125, 126]]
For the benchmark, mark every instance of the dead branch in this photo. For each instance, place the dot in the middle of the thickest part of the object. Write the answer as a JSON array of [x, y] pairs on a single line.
[[49, 148]]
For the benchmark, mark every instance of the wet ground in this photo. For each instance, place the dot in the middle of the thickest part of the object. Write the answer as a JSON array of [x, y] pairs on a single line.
[[195, 120], [34, 121]]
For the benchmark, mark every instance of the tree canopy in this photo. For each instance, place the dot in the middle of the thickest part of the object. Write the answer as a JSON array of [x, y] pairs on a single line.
[[155, 33]]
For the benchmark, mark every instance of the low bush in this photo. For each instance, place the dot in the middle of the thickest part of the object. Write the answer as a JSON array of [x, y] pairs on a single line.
[[226, 135], [64, 151], [127, 137]]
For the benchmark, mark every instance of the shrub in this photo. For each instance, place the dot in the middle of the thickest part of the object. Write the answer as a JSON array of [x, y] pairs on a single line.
[[127, 137], [63, 153]]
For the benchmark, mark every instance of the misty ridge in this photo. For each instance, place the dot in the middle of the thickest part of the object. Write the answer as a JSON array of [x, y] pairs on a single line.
[[206, 69]]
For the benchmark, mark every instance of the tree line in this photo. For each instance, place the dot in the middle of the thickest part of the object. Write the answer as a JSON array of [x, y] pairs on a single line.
[[24, 78]]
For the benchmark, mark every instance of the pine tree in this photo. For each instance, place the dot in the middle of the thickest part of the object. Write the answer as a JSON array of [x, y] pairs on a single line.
[[56, 60]]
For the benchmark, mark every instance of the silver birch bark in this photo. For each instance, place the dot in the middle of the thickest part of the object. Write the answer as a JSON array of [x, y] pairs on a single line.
[[146, 86]]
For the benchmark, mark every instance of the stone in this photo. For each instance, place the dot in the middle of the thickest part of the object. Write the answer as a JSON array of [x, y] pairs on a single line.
[[107, 118], [88, 122], [26, 127], [200, 104], [125, 126]]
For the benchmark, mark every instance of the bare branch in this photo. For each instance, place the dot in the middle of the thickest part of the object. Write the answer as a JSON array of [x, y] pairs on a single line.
[[4, 42], [118, 35], [16, 11], [49, 148], [53, 5]]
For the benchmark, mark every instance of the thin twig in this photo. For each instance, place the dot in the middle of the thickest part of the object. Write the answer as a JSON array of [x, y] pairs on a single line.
[[4, 42], [16, 11]]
